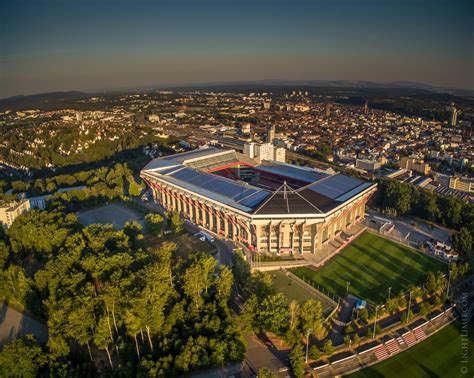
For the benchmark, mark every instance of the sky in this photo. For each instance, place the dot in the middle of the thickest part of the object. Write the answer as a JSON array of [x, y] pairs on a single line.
[[86, 45]]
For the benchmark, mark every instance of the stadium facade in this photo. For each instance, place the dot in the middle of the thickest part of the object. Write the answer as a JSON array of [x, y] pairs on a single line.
[[269, 207]]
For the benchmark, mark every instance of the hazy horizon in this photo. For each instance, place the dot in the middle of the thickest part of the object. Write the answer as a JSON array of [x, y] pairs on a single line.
[[109, 45]]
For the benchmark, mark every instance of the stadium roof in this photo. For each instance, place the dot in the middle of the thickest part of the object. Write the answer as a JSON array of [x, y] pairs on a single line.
[[304, 174], [322, 193]]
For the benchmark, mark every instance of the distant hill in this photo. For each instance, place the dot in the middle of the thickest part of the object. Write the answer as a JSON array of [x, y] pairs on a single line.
[[359, 84], [36, 100]]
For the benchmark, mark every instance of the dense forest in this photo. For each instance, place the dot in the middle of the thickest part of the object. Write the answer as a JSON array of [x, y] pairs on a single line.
[[112, 301]]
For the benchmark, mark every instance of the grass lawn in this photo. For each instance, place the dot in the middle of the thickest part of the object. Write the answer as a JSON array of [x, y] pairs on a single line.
[[437, 356], [372, 264], [134, 188], [293, 291]]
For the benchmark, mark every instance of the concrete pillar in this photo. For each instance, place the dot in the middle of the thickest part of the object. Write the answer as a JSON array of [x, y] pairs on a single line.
[[211, 218], [293, 230], [301, 231], [166, 202], [173, 202], [197, 213], [319, 236], [178, 204], [226, 227], [258, 233], [269, 240], [279, 237]]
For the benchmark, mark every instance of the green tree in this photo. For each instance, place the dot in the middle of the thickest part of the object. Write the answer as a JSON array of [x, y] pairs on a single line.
[[224, 284], [134, 231], [328, 349], [4, 254], [154, 224], [273, 313], [249, 314], [363, 314], [102, 337], [462, 241], [297, 361], [311, 317], [314, 353], [265, 373], [15, 285], [356, 339], [293, 312], [401, 300], [22, 357], [176, 221], [424, 309], [197, 279], [347, 341], [397, 196]]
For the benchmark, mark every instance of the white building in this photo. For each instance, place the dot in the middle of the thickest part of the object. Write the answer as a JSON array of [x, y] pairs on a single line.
[[265, 151]]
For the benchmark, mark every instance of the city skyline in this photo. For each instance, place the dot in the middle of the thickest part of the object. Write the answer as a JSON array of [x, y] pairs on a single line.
[[55, 46]]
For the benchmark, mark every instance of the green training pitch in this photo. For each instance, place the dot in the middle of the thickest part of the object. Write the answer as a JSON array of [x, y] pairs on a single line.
[[293, 291], [438, 356], [372, 264]]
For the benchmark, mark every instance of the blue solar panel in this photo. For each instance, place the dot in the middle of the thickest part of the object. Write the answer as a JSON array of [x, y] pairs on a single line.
[[239, 195], [334, 186], [169, 170], [299, 173], [179, 158], [255, 199]]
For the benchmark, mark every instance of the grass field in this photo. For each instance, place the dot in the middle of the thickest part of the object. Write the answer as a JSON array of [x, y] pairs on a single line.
[[437, 356], [372, 264], [293, 291], [134, 188]]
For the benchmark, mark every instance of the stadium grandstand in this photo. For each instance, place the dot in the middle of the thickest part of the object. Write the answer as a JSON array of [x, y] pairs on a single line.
[[269, 207]]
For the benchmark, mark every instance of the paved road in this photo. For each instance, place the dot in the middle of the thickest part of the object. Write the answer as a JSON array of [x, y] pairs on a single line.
[[344, 316], [14, 324]]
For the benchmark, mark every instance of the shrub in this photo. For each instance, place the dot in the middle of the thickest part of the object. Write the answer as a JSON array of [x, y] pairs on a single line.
[[328, 347]]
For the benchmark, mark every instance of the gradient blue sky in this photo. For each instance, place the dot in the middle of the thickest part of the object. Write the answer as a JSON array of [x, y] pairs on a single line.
[[96, 45]]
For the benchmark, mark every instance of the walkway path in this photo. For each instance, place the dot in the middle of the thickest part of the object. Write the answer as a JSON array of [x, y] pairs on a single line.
[[14, 324]]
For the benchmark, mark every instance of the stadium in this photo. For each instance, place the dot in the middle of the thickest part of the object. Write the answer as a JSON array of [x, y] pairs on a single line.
[[269, 207]]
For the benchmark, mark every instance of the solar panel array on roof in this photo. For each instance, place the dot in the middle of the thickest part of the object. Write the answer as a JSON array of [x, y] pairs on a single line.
[[170, 170], [255, 199], [353, 192], [334, 186], [157, 164], [238, 193], [179, 158], [303, 174]]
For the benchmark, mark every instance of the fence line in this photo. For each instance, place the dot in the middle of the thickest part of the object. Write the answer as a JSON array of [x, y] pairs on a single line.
[[301, 281], [403, 242]]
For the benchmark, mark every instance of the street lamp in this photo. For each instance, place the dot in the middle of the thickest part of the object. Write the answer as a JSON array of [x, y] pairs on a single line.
[[409, 304], [449, 281], [307, 343], [375, 321], [389, 291]]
